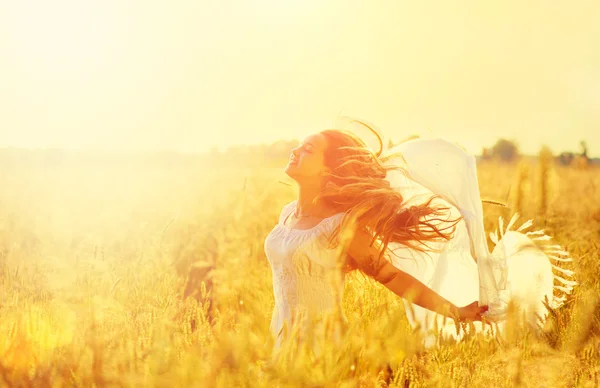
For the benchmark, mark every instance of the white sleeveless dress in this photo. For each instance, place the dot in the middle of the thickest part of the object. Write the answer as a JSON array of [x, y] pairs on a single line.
[[308, 281], [307, 277], [305, 273]]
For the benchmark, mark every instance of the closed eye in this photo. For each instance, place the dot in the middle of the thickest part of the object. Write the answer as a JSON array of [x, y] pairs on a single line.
[[308, 148]]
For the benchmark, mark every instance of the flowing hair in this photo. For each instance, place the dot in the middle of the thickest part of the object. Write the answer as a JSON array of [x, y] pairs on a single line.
[[356, 186]]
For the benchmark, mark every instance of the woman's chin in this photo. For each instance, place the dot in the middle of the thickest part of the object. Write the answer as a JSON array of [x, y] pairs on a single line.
[[291, 171]]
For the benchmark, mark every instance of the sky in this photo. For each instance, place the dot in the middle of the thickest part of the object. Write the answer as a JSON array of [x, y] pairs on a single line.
[[188, 75]]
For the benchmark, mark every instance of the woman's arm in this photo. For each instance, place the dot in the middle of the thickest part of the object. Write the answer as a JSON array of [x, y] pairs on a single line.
[[405, 285]]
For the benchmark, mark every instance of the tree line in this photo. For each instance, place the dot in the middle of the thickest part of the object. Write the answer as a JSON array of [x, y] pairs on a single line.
[[268, 154]]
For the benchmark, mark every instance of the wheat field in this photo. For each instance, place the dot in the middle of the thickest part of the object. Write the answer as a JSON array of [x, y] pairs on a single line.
[[95, 261]]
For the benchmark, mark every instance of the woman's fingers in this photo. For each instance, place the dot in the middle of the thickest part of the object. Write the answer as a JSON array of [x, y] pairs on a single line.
[[476, 311], [473, 312]]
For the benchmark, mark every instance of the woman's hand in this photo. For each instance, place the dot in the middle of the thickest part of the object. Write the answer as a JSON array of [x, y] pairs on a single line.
[[471, 312]]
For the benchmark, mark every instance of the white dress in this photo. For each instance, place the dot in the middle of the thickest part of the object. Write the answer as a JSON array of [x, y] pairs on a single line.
[[307, 277], [308, 281]]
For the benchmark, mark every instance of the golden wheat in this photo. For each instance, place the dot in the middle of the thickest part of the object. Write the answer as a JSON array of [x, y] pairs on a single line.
[[94, 263]]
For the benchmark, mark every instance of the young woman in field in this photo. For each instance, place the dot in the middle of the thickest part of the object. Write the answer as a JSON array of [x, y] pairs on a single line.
[[411, 218]]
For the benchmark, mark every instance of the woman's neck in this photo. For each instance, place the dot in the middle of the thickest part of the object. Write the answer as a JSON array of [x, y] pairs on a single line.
[[305, 203]]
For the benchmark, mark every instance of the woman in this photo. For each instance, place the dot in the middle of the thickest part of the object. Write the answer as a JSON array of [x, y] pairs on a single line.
[[420, 235]]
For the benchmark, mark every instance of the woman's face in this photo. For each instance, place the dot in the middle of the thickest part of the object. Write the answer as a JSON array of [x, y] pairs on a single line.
[[308, 159]]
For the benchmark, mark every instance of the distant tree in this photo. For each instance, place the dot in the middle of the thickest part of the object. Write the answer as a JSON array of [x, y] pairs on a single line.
[[580, 160], [505, 150], [486, 153], [584, 149]]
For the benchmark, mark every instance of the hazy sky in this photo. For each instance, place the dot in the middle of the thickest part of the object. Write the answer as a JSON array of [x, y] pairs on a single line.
[[189, 74]]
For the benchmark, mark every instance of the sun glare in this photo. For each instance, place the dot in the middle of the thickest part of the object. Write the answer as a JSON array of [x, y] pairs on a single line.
[[59, 40]]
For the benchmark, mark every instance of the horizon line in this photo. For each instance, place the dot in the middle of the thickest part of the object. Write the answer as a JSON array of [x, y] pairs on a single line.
[[195, 153]]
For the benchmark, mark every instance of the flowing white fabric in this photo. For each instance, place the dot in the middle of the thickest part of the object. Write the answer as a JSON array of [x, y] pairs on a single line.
[[444, 169], [518, 268]]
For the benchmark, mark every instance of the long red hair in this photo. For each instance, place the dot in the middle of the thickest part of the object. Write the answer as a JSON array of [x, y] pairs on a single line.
[[357, 187]]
